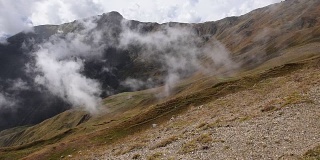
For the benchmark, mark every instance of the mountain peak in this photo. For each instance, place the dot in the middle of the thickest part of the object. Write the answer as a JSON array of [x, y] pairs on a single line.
[[111, 18], [113, 14]]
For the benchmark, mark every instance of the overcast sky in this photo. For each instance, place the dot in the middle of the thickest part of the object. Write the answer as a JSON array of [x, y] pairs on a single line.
[[18, 15]]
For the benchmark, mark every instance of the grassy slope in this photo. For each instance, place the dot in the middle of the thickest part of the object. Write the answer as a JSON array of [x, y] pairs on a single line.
[[282, 89], [134, 112]]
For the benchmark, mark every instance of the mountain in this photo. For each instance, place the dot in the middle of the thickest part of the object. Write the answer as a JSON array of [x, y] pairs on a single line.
[[125, 89]]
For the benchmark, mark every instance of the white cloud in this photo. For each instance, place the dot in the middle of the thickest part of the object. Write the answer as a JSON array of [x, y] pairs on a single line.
[[14, 16], [134, 84], [19, 15], [59, 63], [60, 11], [177, 52], [3, 40], [63, 78], [5, 101], [18, 85]]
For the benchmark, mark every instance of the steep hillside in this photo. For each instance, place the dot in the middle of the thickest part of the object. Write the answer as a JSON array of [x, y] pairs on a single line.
[[248, 87], [271, 115], [121, 54], [275, 101]]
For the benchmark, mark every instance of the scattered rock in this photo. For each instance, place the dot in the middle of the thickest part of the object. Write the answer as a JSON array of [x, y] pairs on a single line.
[[205, 147]]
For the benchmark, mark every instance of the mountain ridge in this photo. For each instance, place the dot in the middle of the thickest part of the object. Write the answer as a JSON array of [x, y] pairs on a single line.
[[266, 44]]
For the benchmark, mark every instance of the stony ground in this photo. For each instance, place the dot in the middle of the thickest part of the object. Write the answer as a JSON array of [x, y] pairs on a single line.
[[278, 118]]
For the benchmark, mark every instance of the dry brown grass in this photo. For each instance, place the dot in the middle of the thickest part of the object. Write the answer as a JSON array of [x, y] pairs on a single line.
[[188, 147], [204, 138], [165, 142], [132, 147], [155, 156], [136, 156]]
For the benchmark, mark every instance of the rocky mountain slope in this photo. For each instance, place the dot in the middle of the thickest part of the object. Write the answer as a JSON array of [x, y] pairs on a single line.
[[276, 118], [118, 52], [245, 81]]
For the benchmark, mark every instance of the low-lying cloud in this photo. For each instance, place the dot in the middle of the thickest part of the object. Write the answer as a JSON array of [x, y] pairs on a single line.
[[9, 92], [136, 84], [179, 51], [6, 101], [59, 64], [18, 85], [63, 78]]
